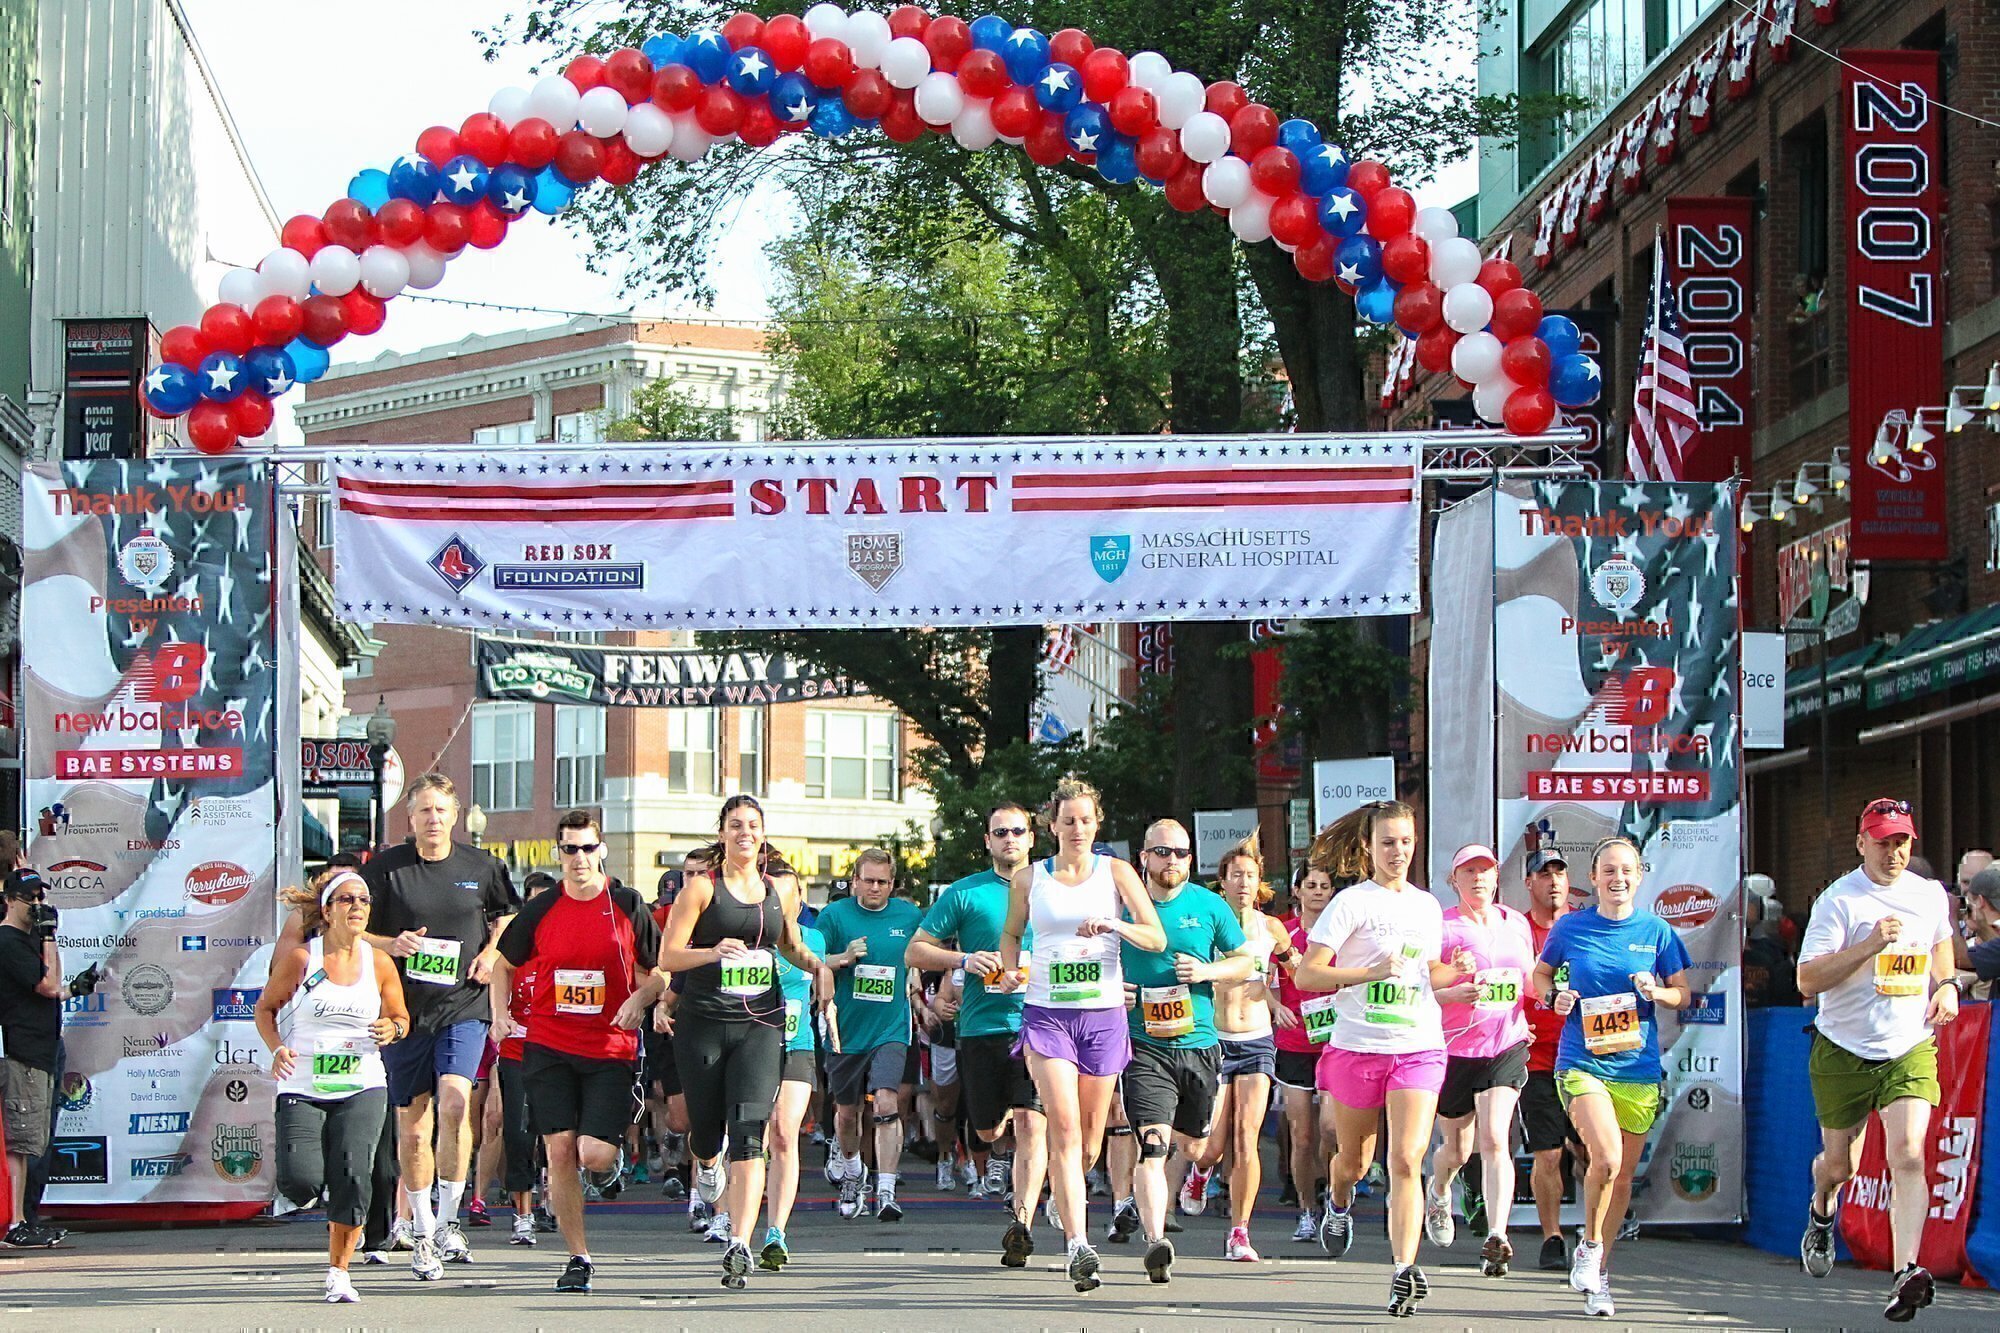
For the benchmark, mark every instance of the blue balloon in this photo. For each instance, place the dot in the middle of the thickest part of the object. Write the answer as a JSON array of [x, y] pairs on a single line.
[[1301, 136], [1575, 381], [665, 49], [309, 360], [990, 33], [1059, 88], [272, 370], [1342, 213], [552, 192], [511, 188], [707, 54], [222, 377], [831, 118], [463, 180], [1086, 126], [1026, 55], [370, 189], [1322, 168], [1377, 300], [171, 389], [793, 98], [1561, 334], [751, 71], [1117, 159], [1358, 261], [414, 179]]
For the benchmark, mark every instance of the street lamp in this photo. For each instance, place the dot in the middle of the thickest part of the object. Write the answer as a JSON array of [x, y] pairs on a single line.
[[381, 735], [475, 824]]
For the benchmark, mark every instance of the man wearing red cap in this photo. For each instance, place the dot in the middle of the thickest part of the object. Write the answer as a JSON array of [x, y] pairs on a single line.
[[1877, 956]]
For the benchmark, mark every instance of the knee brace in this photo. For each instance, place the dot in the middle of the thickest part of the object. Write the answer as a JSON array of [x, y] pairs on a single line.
[[892, 1118], [1118, 1132], [746, 1141], [1152, 1145]]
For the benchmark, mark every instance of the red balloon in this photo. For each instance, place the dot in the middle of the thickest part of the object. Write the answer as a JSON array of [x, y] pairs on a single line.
[[981, 73], [1295, 219], [1526, 361], [720, 110], [759, 127], [304, 234], [909, 21], [829, 63], [1184, 186], [532, 143], [1390, 213], [277, 320], [1015, 112], [348, 222], [484, 135], [326, 320], [901, 122], [1516, 314], [1419, 307], [586, 72], [1045, 144], [184, 345], [1275, 171], [251, 415], [947, 39], [631, 73], [485, 225], [1529, 411], [786, 38], [1159, 154], [1434, 349], [1252, 129], [621, 164], [1070, 46], [867, 94], [438, 145], [365, 314], [1368, 178], [676, 88], [742, 29], [1105, 71], [1406, 258], [1225, 99], [228, 329], [447, 227], [1314, 260], [1498, 277], [1133, 111], [400, 222], [209, 428], [579, 157]]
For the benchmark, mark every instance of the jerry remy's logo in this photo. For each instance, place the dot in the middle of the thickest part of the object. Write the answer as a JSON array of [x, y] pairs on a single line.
[[874, 557], [456, 563], [1110, 555]]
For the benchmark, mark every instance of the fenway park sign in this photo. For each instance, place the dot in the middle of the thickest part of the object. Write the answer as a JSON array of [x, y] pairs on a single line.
[[931, 533]]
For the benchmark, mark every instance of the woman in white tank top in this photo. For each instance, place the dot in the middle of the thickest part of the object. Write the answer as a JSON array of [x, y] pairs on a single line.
[[329, 1007], [1073, 1029]]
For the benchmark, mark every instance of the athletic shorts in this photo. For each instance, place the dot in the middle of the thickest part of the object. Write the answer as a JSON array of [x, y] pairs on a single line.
[[1637, 1104], [1097, 1041], [573, 1092], [944, 1066], [851, 1076], [418, 1061], [995, 1081], [661, 1070], [913, 1066], [1466, 1076], [486, 1060], [1364, 1081], [1846, 1087], [1171, 1085], [800, 1067], [1241, 1059], [27, 1092], [1295, 1069], [1544, 1124]]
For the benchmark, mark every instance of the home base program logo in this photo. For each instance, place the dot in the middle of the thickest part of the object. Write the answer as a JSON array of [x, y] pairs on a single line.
[[874, 557], [456, 563], [146, 561], [1110, 556], [237, 1152], [1617, 584], [1694, 1171]]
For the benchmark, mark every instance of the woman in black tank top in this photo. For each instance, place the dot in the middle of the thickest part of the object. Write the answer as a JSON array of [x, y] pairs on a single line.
[[759, 927]]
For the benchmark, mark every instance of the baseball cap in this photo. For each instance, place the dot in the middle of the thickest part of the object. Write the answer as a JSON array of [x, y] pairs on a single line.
[[1986, 884], [1886, 817], [1545, 858], [1471, 852], [25, 885]]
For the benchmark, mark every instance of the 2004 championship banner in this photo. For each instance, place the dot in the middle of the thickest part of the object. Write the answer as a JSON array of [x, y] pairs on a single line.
[[149, 672], [823, 536]]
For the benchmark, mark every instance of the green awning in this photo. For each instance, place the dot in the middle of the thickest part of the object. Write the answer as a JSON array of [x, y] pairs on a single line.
[[1844, 677], [318, 842], [1936, 657]]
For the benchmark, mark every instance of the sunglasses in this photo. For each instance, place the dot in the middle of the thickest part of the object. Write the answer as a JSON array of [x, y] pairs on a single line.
[[1886, 807], [348, 900], [1177, 853], [578, 848], [1015, 831]]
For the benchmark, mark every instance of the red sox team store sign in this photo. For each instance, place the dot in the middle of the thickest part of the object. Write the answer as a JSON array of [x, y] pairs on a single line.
[[829, 536]]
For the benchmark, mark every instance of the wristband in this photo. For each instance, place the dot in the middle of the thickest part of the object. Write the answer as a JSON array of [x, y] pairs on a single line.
[[1947, 981]]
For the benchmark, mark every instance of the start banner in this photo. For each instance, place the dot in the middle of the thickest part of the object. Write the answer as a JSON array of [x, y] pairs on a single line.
[[825, 535]]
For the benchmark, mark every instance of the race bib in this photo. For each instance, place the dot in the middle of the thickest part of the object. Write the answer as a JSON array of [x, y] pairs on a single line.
[[336, 1066], [1168, 1011], [435, 961], [748, 975], [579, 990], [1390, 1003], [1901, 974], [874, 982], [1611, 1023], [794, 1013], [1499, 987], [1077, 980], [1316, 1012]]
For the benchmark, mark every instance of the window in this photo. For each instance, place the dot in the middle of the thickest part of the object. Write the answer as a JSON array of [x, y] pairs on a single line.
[[514, 432], [6, 167], [852, 756], [691, 751], [750, 750], [323, 519], [579, 757], [583, 636], [1601, 53], [503, 756], [580, 428], [1808, 324]]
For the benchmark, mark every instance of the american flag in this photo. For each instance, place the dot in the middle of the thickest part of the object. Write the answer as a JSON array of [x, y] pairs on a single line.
[[1663, 419]]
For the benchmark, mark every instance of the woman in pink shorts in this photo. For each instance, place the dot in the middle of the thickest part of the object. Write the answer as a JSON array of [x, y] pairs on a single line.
[[1379, 944]]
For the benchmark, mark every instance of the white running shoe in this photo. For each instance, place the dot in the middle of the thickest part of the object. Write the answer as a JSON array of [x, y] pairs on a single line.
[[832, 1170], [1049, 1211], [524, 1230], [403, 1234], [1598, 1301], [1437, 1220], [708, 1182], [968, 1174], [424, 1264], [1586, 1268], [451, 1244], [718, 1230], [1307, 1231], [1238, 1249], [1194, 1192], [849, 1203], [999, 1173], [947, 1179], [340, 1287]]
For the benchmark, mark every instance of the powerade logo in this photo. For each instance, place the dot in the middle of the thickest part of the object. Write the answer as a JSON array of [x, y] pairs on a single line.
[[159, 1122], [236, 1006], [1705, 1007]]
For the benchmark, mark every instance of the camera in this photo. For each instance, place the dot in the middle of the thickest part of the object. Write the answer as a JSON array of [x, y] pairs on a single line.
[[43, 918]]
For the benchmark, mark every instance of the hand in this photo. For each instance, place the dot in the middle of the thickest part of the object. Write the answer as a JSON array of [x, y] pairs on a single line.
[[1189, 970], [730, 948], [857, 950], [405, 944], [504, 1026], [383, 1031], [982, 964], [631, 1013], [1465, 992], [1887, 931], [482, 968], [947, 1008], [282, 1062], [1645, 984], [663, 1019], [1010, 981], [1283, 1017], [1131, 996], [1466, 964], [1565, 1001], [1944, 1006], [1382, 969], [1094, 926]]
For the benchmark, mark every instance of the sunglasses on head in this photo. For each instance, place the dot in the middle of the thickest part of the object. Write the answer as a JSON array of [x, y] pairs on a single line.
[[1886, 807], [578, 848]]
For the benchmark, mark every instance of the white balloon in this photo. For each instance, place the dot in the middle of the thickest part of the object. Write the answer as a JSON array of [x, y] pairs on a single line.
[[1476, 359], [690, 139], [905, 62], [1489, 400], [601, 112], [1468, 307], [867, 38], [384, 271], [1226, 183], [1180, 95], [285, 273], [973, 125], [1150, 69], [1435, 224], [649, 131], [1251, 219], [510, 105], [827, 20], [335, 270], [426, 266], [1453, 262], [555, 99], [939, 99], [239, 286], [1205, 137]]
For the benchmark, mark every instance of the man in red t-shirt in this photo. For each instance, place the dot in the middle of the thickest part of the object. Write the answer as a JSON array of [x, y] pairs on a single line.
[[590, 944], [1544, 1124]]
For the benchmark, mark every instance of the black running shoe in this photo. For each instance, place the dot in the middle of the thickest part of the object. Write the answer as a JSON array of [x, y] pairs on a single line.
[[1816, 1246], [1124, 1224], [1336, 1232], [1174, 1227], [575, 1275], [1914, 1290], [736, 1265], [1405, 1290], [674, 1188], [1160, 1260], [1555, 1255], [1016, 1245], [1083, 1266], [1288, 1197]]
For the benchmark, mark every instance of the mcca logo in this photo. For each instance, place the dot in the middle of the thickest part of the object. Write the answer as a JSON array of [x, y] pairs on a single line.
[[456, 563], [1635, 698]]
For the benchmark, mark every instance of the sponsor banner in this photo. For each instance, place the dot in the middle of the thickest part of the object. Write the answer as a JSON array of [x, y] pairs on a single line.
[[102, 362], [1812, 569], [561, 673], [1895, 306], [149, 689], [830, 536], [328, 765], [1709, 248]]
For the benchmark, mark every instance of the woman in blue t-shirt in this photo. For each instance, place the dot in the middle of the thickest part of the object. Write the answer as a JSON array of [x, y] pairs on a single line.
[[1607, 968]]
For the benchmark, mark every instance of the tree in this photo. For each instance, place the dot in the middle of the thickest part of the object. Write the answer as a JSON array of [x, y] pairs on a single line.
[[660, 411]]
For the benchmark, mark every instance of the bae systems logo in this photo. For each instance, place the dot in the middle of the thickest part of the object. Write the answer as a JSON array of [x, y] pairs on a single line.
[[456, 563]]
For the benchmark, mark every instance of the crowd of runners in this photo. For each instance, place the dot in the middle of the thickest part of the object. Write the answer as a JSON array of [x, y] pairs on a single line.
[[1060, 1025]]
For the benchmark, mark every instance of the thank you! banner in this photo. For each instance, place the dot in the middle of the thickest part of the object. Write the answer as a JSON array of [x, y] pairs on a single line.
[[1708, 242], [148, 656], [840, 536], [543, 672], [1615, 643]]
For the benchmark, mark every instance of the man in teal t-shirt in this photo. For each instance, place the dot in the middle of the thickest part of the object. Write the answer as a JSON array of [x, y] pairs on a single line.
[[866, 936]]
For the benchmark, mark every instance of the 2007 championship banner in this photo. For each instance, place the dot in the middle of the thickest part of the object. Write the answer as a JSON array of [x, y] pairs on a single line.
[[846, 535], [149, 673]]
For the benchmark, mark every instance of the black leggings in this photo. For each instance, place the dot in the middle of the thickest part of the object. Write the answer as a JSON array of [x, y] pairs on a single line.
[[331, 1144], [515, 1136], [729, 1074]]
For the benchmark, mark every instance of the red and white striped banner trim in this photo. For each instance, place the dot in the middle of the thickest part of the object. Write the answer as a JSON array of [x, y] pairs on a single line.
[[501, 502], [1213, 488]]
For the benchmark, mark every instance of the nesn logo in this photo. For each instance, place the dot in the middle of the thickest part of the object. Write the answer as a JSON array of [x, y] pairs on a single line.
[[194, 944], [160, 1122]]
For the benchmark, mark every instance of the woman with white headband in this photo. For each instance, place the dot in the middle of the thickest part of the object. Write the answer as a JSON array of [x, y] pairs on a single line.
[[329, 1007]]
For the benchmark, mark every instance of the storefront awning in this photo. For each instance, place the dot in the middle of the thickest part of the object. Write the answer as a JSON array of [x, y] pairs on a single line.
[[1936, 657], [1844, 676], [318, 842]]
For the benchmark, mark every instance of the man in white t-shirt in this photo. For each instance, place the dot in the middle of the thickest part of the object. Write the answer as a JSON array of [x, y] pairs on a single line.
[[1877, 956]]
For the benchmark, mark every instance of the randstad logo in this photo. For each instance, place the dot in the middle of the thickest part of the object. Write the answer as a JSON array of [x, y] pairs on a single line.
[[1110, 555]]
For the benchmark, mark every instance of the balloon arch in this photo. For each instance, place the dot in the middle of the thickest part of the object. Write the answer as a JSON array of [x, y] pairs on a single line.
[[831, 73]]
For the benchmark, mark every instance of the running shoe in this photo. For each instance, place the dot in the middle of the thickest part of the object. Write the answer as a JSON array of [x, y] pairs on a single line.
[[1816, 1247], [947, 1179], [1437, 1220], [22, 1236], [1586, 1268], [1174, 1227], [642, 1174], [524, 1230], [340, 1288], [968, 1174], [1555, 1255], [708, 1182], [1097, 1185], [1472, 1202], [977, 1189], [886, 1207], [1336, 1232], [1288, 1194], [1628, 1229], [1016, 1245], [1238, 1248], [674, 1188], [1160, 1260], [403, 1234], [999, 1173], [1495, 1255], [424, 1263], [1377, 1178], [1194, 1192], [1598, 1301], [775, 1251], [736, 1265], [699, 1213], [1083, 1266], [476, 1214], [575, 1275], [544, 1219], [1913, 1290], [849, 1204], [1124, 1223], [1049, 1211], [373, 1257], [718, 1230], [451, 1244], [1406, 1288], [1307, 1231], [835, 1167]]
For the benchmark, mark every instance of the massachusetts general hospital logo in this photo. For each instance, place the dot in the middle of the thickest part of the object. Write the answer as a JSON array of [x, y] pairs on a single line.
[[1110, 555], [456, 564]]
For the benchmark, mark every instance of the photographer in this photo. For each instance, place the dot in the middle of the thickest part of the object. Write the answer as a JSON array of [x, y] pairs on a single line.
[[31, 991]]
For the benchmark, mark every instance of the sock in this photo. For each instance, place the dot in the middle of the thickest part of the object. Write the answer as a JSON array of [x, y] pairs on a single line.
[[421, 1217], [1403, 1268], [885, 1182], [453, 1191], [854, 1168], [584, 1257]]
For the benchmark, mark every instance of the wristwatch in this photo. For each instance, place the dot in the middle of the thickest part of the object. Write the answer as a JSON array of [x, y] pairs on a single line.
[[399, 1027]]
